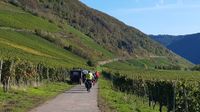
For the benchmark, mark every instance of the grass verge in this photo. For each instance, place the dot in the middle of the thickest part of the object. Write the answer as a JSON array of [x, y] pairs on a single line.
[[22, 100], [111, 100]]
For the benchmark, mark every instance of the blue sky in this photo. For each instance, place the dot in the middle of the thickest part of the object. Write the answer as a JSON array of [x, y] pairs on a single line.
[[175, 17]]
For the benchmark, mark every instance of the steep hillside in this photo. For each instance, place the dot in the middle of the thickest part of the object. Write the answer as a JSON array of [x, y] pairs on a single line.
[[188, 47], [18, 41], [104, 30], [165, 39], [21, 45], [185, 45], [16, 19], [25, 36], [81, 30]]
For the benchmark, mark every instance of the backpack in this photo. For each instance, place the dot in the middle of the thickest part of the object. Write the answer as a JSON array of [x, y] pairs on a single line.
[[97, 74]]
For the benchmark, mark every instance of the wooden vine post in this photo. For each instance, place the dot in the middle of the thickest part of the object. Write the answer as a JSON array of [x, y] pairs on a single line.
[[48, 79], [65, 74], [6, 76], [185, 99], [1, 66], [11, 73], [41, 74], [174, 100], [145, 90]]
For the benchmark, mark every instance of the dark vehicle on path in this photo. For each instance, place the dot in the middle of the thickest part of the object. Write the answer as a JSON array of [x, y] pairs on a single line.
[[77, 76]]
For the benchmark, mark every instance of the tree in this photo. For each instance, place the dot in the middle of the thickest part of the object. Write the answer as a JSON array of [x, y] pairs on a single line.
[[91, 63]]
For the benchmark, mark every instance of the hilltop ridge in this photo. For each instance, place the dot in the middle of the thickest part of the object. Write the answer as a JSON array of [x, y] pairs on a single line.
[[184, 45]]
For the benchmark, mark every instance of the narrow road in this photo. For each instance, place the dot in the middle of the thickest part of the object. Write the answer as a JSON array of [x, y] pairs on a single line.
[[75, 100], [113, 60]]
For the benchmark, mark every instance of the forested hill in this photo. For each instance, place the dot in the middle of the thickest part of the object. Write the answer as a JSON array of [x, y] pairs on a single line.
[[106, 31], [185, 45]]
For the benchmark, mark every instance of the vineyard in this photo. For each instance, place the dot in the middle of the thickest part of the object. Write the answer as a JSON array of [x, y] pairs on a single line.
[[24, 73], [44, 45], [113, 100], [146, 68], [34, 64], [36, 47], [38, 50], [178, 91], [26, 84]]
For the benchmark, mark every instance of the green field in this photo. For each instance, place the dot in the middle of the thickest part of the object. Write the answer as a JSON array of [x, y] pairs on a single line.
[[13, 17], [138, 63], [25, 21], [144, 68], [30, 47], [146, 63]]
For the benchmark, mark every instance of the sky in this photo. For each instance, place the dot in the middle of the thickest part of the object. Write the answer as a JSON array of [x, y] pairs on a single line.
[[173, 17]]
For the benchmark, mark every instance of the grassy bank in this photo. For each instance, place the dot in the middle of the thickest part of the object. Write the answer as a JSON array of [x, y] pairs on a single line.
[[23, 99], [116, 101]]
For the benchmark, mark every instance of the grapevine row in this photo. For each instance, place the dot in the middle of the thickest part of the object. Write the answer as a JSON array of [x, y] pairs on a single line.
[[25, 73], [176, 95]]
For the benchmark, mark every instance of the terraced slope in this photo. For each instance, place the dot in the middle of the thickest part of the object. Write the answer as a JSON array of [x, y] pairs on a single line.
[[30, 47], [14, 17], [34, 38], [18, 40]]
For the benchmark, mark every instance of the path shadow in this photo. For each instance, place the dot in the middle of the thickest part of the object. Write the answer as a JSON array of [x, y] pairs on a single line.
[[74, 92], [79, 90]]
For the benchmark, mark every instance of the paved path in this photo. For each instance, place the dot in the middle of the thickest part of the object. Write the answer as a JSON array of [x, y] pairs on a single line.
[[75, 100], [113, 60]]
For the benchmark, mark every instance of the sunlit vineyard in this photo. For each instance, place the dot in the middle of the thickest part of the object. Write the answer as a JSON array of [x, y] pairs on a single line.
[[33, 48], [177, 95], [177, 90], [25, 73], [160, 74], [38, 48], [146, 70]]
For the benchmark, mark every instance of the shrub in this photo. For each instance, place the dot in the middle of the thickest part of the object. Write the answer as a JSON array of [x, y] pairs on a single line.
[[91, 63], [14, 2], [50, 37]]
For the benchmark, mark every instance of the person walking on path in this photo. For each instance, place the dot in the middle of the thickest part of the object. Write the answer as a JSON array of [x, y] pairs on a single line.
[[97, 75]]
